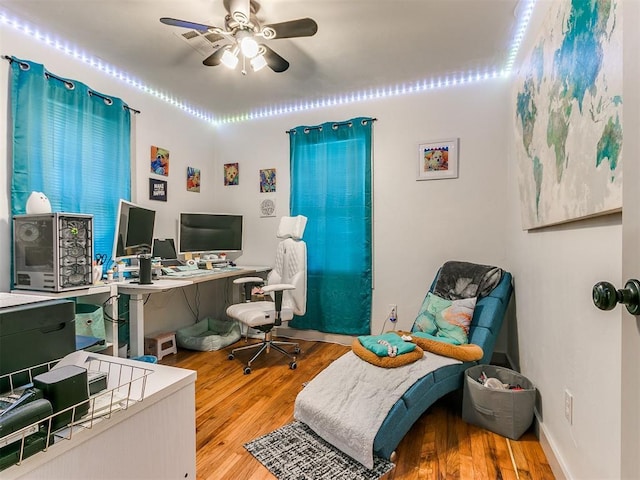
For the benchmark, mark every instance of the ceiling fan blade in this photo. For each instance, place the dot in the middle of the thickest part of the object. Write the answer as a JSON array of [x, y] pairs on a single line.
[[214, 37], [174, 22], [274, 61], [214, 59], [303, 27]]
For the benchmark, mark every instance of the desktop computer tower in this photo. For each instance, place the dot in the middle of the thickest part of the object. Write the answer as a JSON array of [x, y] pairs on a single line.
[[52, 252]]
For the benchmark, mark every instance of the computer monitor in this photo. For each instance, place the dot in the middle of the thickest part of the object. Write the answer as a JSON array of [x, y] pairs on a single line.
[[209, 232], [134, 231], [164, 248]]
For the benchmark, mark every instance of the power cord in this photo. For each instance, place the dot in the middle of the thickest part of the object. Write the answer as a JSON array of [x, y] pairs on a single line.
[[105, 311], [392, 317], [193, 312]]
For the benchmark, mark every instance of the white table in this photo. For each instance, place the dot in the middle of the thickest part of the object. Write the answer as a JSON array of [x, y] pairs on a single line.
[[138, 291]]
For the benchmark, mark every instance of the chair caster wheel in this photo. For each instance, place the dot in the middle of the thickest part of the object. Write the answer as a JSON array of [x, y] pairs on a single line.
[[247, 370], [296, 350], [293, 365], [231, 356]]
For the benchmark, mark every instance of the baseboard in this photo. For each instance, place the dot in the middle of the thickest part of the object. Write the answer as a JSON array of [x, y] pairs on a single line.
[[557, 466], [315, 336]]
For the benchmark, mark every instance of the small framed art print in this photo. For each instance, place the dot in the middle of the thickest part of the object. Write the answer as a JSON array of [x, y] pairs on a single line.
[[438, 159]]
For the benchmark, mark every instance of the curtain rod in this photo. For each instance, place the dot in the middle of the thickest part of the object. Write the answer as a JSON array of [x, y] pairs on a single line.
[[70, 85], [336, 124]]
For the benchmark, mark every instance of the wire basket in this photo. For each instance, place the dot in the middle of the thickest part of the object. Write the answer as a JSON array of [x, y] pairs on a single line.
[[119, 386]]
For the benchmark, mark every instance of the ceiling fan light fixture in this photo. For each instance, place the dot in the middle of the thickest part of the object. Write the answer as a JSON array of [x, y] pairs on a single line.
[[258, 63], [229, 59], [239, 36], [249, 47]]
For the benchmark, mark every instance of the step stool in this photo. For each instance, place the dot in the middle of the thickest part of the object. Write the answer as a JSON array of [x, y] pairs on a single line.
[[160, 344]]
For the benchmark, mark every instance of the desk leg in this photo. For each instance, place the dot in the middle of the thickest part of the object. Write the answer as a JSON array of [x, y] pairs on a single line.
[[113, 313], [136, 324]]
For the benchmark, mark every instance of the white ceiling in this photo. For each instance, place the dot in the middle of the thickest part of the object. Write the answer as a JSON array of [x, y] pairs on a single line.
[[360, 45]]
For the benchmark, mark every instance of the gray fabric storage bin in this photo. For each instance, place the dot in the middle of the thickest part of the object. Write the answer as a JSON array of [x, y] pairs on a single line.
[[506, 412]]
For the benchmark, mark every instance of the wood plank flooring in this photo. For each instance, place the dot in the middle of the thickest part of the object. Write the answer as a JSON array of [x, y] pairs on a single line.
[[233, 408]]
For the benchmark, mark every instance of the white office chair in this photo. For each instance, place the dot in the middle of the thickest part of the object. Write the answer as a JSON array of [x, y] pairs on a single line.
[[287, 285]]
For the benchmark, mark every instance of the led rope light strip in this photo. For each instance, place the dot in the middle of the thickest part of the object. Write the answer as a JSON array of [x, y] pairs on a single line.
[[403, 89], [523, 23], [103, 67], [398, 90], [276, 110]]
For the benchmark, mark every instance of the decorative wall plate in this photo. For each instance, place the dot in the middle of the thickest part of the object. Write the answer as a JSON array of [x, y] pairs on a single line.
[[268, 208]]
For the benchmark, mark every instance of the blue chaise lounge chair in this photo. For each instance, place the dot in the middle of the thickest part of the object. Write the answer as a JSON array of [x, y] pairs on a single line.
[[312, 407]]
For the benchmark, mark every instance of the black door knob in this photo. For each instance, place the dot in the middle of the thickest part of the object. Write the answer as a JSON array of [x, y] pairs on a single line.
[[606, 296]]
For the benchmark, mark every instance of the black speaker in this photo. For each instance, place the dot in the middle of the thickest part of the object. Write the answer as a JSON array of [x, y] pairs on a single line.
[[65, 387], [145, 270]]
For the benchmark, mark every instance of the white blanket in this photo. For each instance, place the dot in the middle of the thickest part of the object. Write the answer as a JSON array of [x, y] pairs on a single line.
[[347, 402]]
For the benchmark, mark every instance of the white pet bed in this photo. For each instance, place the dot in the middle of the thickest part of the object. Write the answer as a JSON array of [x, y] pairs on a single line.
[[208, 334]]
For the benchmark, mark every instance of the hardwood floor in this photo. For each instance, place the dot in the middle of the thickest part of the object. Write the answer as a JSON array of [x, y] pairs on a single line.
[[233, 408]]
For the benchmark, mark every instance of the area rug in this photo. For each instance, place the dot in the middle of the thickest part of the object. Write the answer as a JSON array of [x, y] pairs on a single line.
[[295, 452]]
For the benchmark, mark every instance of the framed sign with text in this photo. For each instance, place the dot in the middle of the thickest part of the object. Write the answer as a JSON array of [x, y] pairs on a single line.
[[157, 189]]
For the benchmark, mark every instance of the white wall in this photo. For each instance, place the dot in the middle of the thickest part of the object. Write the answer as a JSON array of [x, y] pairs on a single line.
[[418, 225], [559, 338]]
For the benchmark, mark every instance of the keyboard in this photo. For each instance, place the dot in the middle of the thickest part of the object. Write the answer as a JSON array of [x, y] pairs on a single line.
[[223, 269], [187, 271], [178, 272]]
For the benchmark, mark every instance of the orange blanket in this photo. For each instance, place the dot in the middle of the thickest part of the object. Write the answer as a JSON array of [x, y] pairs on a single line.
[[386, 362], [466, 353]]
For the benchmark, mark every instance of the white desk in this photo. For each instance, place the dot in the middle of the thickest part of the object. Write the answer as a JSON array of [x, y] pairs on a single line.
[[137, 292]]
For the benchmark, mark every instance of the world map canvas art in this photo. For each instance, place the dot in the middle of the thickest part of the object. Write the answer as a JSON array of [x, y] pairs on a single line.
[[569, 115]]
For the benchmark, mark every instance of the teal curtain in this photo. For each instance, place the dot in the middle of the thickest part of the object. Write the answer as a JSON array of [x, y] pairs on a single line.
[[331, 186], [72, 144]]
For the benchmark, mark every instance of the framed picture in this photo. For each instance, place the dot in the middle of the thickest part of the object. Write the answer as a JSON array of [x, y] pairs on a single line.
[[160, 161], [268, 180], [438, 159], [231, 174], [157, 189], [193, 179]]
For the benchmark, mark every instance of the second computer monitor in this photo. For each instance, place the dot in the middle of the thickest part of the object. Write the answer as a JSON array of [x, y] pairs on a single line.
[[134, 231], [209, 233]]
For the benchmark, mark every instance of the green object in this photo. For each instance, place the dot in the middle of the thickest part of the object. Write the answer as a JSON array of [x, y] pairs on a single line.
[[372, 343], [446, 320], [90, 320], [208, 334]]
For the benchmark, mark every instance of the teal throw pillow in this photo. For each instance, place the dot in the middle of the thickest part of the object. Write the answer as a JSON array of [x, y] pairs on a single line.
[[447, 319]]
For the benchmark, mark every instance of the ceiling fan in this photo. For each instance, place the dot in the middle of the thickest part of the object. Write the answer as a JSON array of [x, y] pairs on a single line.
[[243, 33]]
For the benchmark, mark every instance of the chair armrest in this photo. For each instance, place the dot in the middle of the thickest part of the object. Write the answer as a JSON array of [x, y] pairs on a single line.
[[278, 287], [248, 280]]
